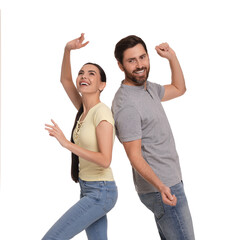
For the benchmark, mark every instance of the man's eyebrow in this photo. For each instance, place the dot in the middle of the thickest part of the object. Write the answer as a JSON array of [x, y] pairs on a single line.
[[130, 59]]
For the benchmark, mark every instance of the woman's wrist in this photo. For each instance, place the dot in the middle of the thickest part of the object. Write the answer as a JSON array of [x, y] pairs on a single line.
[[67, 144], [67, 49]]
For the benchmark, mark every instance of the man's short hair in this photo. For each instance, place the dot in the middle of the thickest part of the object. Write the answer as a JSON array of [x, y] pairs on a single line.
[[125, 43]]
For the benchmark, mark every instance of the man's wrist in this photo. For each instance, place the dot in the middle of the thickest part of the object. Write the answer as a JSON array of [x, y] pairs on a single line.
[[173, 58], [160, 186]]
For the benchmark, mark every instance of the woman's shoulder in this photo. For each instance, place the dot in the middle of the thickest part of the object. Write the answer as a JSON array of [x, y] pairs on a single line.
[[103, 112], [103, 107]]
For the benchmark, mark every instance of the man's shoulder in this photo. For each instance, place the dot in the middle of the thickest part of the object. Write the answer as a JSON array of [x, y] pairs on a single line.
[[153, 84], [122, 99], [157, 89]]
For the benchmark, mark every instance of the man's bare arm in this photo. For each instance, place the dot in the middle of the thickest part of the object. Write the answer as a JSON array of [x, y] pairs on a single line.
[[177, 86], [133, 150]]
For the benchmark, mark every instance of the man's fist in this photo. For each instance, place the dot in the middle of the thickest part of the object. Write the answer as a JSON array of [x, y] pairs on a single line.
[[165, 51]]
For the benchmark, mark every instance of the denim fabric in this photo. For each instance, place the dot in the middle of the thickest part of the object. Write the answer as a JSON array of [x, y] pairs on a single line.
[[173, 222], [89, 213]]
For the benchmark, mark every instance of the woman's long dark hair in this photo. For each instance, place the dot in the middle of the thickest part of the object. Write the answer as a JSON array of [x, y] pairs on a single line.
[[75, 158]]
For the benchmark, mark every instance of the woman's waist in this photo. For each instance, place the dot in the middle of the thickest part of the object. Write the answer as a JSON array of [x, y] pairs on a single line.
[[96, 174]]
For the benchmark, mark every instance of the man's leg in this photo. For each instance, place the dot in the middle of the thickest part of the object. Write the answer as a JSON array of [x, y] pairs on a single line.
[[174, 223], [153, 201]]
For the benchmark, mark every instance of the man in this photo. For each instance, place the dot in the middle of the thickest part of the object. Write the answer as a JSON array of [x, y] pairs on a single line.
[[143, 128]]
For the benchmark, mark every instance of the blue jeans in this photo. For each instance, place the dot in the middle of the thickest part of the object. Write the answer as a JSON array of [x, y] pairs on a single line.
[[173, 222], [89, 213]]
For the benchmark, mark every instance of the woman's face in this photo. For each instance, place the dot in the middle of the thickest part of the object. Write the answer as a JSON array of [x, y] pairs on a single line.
[[89, 80]]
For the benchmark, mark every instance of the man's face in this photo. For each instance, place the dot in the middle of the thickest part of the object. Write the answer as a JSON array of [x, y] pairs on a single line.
[[136, 65]]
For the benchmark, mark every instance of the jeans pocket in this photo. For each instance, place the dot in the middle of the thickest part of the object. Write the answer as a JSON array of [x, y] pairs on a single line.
[[93, 190], [111, 199], [153, 201], [159, 209]]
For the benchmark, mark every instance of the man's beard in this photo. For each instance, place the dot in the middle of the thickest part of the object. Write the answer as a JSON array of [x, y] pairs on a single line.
[[136, 79]]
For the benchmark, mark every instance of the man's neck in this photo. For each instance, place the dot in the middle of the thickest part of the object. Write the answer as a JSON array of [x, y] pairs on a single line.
[[131, 83]]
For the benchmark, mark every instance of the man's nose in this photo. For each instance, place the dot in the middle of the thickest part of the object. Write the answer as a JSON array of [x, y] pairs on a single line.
[[139, 64]]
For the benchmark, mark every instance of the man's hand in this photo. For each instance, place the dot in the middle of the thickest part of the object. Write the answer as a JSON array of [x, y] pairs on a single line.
[[76, 43], [167, 197], [165, 51]]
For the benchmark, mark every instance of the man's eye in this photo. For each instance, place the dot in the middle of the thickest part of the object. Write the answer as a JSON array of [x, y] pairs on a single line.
[[80, 73]]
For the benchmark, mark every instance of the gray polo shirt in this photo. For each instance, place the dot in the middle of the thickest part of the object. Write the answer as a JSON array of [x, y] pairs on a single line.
[[138, 114]]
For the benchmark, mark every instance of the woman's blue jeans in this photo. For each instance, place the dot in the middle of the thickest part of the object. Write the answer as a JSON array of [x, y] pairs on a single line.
[[173, 222], [89, 213]]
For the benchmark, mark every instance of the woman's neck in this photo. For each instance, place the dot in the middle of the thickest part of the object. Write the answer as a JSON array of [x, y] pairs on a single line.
[[89, 102]]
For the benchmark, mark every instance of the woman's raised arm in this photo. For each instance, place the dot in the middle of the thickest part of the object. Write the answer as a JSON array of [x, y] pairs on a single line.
[[66, 74]]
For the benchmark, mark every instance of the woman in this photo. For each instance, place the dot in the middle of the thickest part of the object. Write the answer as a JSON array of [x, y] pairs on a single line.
[[92, 140]]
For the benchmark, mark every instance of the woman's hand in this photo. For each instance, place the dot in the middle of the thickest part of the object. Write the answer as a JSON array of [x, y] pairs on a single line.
[[55, 131], [76, 43]]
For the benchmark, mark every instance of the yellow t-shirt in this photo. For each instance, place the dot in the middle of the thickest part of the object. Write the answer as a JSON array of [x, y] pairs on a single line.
[[84, 136]]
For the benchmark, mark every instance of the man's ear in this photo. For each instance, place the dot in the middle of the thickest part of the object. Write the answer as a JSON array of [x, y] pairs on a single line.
[[120, 66]]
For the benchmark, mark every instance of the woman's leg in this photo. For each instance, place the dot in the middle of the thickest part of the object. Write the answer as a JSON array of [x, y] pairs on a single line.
[[76, 219], [97, 199], [98, 229]]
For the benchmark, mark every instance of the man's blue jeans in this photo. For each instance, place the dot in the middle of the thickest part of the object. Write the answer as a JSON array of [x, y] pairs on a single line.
[[174, 223], [89, 213]]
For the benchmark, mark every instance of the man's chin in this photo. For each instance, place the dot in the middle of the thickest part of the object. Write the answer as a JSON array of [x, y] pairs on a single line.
[[139, 82]]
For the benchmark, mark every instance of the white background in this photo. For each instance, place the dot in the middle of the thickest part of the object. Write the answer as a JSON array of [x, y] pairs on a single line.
[[36, 187]]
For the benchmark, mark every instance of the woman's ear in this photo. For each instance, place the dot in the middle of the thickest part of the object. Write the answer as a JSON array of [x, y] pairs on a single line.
[[102, 86]]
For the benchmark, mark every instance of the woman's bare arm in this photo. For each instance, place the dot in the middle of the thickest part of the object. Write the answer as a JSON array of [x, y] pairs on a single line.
[[66, 75], [104, 135]]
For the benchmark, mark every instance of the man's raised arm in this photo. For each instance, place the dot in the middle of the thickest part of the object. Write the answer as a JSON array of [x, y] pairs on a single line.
[[177, 86]]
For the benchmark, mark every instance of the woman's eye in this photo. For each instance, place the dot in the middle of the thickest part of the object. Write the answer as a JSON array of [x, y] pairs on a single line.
[[92, 74]]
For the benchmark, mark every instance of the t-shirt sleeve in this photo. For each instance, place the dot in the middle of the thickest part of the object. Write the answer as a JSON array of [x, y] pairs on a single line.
[[160, 90], [128, 125], [103, 114]]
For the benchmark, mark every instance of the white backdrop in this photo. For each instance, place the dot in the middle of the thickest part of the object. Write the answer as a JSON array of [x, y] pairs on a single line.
[[36, 187]]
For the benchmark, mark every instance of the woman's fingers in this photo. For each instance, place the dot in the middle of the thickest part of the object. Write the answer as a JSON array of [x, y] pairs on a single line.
[[55, 124], [50, 126], [52, 129], [84, 44]]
